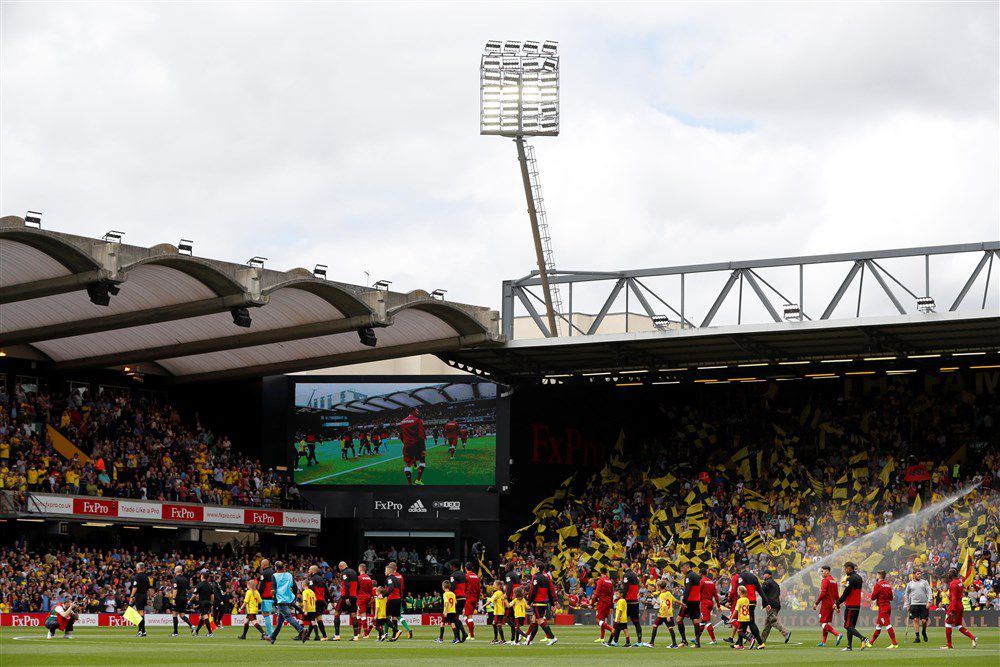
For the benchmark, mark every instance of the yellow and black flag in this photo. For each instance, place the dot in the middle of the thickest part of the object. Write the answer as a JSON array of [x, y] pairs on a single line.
[[840, 489], [859, 465], [754, 543]]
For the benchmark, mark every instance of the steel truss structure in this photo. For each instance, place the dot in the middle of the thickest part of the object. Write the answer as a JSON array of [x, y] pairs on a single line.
[[779, 307]]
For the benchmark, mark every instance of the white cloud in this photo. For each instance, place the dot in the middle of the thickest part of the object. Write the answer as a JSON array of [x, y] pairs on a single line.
[[346, 134]]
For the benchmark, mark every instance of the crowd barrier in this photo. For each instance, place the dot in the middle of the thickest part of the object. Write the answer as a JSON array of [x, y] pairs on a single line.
[[36, 620], [810, 619]]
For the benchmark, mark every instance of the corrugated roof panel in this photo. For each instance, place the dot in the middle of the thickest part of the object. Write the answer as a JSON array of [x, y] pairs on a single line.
[[286, 308], [20, 263], [148, 286], [410, 326], [459, 391]]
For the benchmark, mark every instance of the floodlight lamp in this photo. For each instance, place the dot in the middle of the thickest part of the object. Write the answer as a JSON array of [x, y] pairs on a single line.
[[382, 284], [114, 236], [185, 247], [660, 321], [439, 293], [366, 336], [925, 304], [257, 262], [319, 271], [492, 63], [550, 64], [530, 48], [33, 218], [241, 316], [511, 46], [793, 313], [550, 47], [493, 45]]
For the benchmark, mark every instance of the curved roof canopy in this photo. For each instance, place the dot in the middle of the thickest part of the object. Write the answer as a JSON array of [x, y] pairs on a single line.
[[448, 392], [85, 303]]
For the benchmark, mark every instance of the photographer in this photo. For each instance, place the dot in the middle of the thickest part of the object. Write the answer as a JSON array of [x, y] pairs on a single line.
[[62, 618]]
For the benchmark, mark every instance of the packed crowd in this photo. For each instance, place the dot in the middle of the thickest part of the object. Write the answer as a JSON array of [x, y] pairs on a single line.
[[132, 448], [784, 500]]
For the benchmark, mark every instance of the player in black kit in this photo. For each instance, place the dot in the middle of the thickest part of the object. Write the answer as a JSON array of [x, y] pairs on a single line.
[[512, 581], [221, 601], [205, 594], [179, 599], [139, 596]]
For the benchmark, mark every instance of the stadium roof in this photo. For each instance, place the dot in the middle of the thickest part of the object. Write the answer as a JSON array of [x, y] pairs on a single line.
[[449, 392], [171, 313], [902, 335]]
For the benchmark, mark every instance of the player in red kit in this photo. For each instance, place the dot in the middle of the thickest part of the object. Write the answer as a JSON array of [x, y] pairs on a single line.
[[540, 596], [709, 597], [604, 594], [953, 615], [411, 432], [827, 601], [465, 436], [451, 431], [473, 592], [882, 600], [366, 590]]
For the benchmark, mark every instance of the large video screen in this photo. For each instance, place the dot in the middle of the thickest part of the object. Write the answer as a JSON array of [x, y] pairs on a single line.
[[389, 433]]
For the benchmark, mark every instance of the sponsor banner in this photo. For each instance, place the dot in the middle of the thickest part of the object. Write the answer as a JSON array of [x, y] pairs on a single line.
[[95, 507], [115, 508], [262, 518], [34, 620]]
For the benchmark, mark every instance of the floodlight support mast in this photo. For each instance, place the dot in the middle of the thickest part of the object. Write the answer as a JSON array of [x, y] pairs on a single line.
[[536, 234]]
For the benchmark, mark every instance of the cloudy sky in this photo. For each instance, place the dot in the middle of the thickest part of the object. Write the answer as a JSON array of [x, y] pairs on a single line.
[[347, 133]]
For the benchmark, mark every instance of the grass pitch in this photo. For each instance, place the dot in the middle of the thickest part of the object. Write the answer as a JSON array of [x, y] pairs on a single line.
[[473, 466], [119, 646]]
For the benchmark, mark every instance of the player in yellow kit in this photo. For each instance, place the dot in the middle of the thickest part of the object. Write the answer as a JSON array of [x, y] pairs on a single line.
[[251, 603], [665, 616], [621, 620], [308, 609], [498, 601], [381, 615], [520, 608]]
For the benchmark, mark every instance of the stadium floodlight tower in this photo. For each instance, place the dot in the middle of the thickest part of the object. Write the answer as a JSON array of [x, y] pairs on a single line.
[[518, 98]]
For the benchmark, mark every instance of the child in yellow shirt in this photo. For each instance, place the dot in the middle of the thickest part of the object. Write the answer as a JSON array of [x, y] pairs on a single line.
[[520, 608], [741, 617], [381, 615], [621, 621], [498, 602], [450, 615], [251, 603], [665, 616]]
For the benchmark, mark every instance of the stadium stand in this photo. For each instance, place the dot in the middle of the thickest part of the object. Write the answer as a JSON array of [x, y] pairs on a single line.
[[124, 446], [781, 480]]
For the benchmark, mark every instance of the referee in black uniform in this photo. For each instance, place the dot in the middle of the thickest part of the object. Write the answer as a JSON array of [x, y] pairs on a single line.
[[139, 596], [205, 593], [179, 599]]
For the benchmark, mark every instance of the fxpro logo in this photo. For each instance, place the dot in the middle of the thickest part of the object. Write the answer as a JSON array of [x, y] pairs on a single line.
[[453, 505], [388, 505], [24, 621], [417, 507]]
